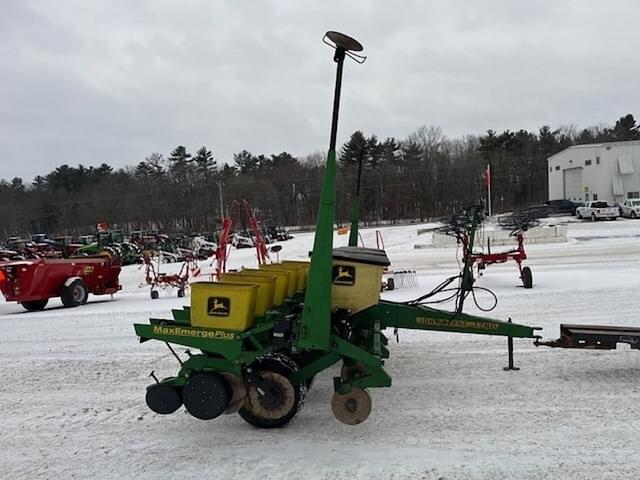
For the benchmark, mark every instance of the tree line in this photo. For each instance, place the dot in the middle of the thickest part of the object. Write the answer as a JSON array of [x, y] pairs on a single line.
[[418, 177]]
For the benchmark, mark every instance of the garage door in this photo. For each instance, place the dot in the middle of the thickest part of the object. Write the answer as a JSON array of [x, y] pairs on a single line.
[[573, 184]]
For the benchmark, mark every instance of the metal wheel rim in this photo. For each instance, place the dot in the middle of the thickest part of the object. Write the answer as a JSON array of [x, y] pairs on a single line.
[[78, 293], [287, 397]]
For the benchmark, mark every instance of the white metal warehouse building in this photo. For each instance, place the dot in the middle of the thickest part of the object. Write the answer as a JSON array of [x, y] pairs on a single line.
[[598, 171]]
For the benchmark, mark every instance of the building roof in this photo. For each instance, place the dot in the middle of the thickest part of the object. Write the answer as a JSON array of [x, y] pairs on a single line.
[[596, 145]]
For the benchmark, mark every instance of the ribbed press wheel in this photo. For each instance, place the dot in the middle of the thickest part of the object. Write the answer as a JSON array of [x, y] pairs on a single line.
[[278, 400]]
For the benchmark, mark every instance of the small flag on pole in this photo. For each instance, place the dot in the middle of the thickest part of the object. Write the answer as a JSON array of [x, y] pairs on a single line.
[[486, 176]]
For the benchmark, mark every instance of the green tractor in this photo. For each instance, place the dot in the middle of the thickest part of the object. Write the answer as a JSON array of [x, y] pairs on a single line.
[[113, 244], [263, 334]]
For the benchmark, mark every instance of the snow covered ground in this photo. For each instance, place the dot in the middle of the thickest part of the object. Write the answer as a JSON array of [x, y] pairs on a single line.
[[72, 399]]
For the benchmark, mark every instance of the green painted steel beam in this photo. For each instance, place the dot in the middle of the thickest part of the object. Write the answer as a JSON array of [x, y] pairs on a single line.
[[348, 350], [223, 342], [317, 365], [181, 316], [315, 326], [398, 315], [203, 363]]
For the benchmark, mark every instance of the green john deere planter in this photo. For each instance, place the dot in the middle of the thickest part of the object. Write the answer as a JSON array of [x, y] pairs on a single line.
[[264, 334]]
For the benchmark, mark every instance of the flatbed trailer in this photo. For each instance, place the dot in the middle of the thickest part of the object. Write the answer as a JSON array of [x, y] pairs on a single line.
[[33, 282], [595, 337]]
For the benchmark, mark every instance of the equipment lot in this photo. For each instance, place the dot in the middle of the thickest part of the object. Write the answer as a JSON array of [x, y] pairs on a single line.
[[73, 394]]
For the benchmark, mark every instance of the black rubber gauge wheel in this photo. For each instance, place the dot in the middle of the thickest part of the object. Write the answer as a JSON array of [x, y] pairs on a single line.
[[163, 399], [206, 395]]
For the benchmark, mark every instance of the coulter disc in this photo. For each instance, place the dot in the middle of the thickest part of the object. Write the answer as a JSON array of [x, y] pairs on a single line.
[[351, 408]]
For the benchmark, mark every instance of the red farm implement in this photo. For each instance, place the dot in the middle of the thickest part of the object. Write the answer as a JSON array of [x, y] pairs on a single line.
[[517, 224], [33, 282], [225, 238], [518, 255], [180, 280]]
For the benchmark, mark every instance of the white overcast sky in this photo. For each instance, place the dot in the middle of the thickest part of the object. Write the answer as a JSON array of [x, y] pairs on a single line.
[[113, 81]]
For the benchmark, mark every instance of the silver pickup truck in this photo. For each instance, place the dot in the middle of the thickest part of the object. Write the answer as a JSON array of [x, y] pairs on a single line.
[[597, 210], [630, 208]]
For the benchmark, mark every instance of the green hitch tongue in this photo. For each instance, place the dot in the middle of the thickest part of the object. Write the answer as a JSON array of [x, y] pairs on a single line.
[[315, 326]]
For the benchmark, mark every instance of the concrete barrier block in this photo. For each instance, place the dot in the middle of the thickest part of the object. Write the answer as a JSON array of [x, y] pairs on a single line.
[[536, 235]]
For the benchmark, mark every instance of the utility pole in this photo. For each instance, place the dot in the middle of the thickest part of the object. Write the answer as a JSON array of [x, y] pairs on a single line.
[[221, 202], [489, 186]]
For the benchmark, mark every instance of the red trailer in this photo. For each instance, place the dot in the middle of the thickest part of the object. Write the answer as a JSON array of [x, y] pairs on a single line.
[[33, 282]]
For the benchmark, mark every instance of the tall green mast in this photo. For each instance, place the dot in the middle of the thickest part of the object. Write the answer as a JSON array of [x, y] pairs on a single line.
[[315, 327]]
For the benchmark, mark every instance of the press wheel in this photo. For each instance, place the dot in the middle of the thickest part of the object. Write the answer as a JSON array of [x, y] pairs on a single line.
[[278, 400], [351, 408]]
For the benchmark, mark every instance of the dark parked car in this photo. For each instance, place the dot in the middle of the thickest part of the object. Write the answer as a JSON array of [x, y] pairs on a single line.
[[561, 207]]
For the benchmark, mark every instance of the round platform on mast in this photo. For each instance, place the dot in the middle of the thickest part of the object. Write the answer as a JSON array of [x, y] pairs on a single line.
[[344, 41]]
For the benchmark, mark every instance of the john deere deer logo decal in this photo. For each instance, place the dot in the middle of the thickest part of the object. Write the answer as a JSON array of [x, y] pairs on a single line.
[[218, 306], [343, 275]]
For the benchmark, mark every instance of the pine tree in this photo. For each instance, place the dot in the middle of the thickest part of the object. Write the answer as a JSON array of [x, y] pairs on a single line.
[[39, 183], [283, 161], [246, 162], [143, 170], [354, 150], [373, 155], [179, 163], [17, 185], [626, 129], [205, 163], [156, 162]]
